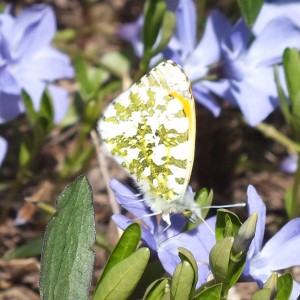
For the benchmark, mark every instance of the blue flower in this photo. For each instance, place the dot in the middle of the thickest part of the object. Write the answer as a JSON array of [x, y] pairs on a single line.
[[289, 164], [280, 252], [195, 59], [29, 62], [246, 71], [163, 240], [277, 8], [3, 149]]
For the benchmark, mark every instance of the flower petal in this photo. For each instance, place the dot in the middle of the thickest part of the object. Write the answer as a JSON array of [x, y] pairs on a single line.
[[217, 28], [203, 96], [134, 204], [199, 241], [279, 8], [278, 34], [60, 101], [282, 250], [255, 95], [255, 204], [123, 222], [34, 28], [3, 149], [11, 106], [186, 20]]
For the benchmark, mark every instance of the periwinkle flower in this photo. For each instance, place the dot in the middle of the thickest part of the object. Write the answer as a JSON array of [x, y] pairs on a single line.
[[195, 58], [29, 62], [289, 163], [164, 240], [246, 70], [277, 8], [3, 149], [280, 252]]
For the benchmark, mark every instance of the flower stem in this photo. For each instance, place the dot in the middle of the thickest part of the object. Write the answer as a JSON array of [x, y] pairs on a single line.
[[272, 133]]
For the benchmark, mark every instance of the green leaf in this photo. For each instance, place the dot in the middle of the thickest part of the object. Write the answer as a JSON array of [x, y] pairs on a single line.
[[227, 224], [157, 289], [46, 113], [185, 276], [29, 249], [288, 202], [154, 11], [25, 152], [183, 281], [219, 259], [29, 108], [122, 278], [212, 293], [167, 31], [67, 261], [116, 63], [284, 287], [284, 102], [125, 247], [264, 294], [204, 200], [250, 10], [291, 64]]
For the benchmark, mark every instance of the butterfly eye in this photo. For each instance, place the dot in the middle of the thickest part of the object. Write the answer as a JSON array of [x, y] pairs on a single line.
[[187, 213]]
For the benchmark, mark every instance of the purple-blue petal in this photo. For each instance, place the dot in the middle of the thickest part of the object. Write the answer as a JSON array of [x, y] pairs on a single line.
[[282, 250], [60, 101], [186, 19], [278, 34], [203, 96], [255, 204], [199, 241], [148, 238], [3, 149], [11, 106], [289, 164], [134, 204], [34, 28], [275, 9]]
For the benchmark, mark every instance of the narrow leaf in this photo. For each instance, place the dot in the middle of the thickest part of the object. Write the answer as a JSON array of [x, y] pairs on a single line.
[[123, 277], [212, 293], [29, 249], [250, 10], [125, 247], [67, 261], [157, 289], [284, 287]]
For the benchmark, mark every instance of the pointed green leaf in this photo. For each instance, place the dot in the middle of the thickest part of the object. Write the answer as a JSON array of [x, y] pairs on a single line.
[[219, 259], [212, 293], [250, 10], [264, 294], [122, 278], [185, 276], [183, 281], [291, 63], [29, 249], [125, 247], [67, 261], [227, 224], [284, 287], [284, 102], [157, 289], [29, 108], [154, 11], [167, 31]]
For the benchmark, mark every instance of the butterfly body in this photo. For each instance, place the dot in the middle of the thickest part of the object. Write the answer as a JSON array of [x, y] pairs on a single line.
[[150, 131]]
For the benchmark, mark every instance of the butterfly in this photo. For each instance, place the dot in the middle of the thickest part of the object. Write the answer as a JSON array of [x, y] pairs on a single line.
[[150, 131]]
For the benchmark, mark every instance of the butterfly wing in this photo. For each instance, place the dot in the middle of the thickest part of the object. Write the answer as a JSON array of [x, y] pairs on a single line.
[[150, 131]]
